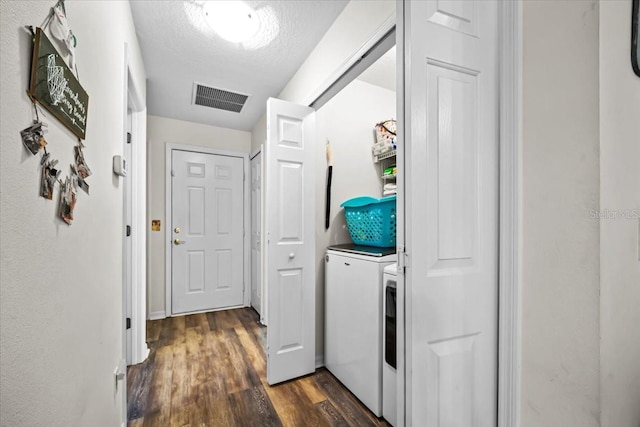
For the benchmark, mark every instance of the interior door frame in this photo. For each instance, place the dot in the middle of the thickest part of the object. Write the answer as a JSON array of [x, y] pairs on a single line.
[[510, 210], [510, 195], [246, 212], [134, 101]]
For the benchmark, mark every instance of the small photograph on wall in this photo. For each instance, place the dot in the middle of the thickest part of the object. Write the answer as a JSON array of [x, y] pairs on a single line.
[[49, 176], [67, 201], [81, 163], [33, 137]]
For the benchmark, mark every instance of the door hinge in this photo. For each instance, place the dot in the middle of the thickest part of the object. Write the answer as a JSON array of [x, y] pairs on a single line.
[[128, 137], [403, 259], [128, 230], [128, 322]]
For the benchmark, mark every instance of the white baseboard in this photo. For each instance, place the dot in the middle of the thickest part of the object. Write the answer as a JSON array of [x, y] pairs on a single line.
[[319, 361], [157, 315]]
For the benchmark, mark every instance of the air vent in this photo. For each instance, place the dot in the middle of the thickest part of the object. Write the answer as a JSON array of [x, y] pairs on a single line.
[[218, 98]]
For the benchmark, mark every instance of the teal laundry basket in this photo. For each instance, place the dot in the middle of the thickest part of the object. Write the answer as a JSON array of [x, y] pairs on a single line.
[[371, 221]]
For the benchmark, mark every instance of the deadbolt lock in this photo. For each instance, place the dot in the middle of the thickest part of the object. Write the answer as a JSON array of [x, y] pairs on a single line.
[[177, 229]]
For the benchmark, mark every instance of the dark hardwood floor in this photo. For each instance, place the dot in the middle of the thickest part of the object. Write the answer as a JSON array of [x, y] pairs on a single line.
[[210, 370]]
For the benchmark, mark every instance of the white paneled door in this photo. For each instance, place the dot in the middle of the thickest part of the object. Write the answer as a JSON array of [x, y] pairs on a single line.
[[207, 231], [451, 120], [290, 233], [256, 233]]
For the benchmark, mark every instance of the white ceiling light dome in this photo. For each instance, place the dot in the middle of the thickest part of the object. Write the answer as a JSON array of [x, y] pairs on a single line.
[[234, 21]]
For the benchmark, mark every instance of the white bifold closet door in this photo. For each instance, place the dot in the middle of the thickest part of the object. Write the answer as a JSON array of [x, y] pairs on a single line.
[[451, 133]]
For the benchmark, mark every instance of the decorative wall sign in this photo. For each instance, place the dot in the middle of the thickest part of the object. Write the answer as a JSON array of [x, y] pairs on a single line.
[[56, 88]]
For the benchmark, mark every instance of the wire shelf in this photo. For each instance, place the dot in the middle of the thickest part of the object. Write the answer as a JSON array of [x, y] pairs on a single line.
[[387, 155]]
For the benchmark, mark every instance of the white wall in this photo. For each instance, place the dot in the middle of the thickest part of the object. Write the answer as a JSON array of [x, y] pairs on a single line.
[[259, 134], [161, 131], [619, 189], [561, 304], [347, 120], [357, 23], [61, 291]]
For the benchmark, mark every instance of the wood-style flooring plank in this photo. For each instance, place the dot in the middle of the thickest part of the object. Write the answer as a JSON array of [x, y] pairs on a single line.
[[227, 363], [310, 388], [153, 330], [158, 410], [226, 319], [331, 414], [292, 405], [191, 321], [209, 370], [251, 407], [195, 369], [139, 384], [139, 422], [180, 383], [218, 409], [253, 350], [344, 401]]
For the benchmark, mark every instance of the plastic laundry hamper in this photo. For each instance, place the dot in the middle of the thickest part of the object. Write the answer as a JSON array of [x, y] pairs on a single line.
[[371, 221]]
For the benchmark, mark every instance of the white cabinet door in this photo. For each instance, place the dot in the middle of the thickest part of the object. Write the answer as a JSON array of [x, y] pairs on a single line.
[[451, 134], [207, 231], [290, 227]]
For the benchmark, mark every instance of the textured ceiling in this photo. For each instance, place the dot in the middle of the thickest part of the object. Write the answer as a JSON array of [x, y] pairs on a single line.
[[179, 49]]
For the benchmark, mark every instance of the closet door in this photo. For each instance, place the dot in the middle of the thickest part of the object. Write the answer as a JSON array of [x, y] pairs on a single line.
[[290, 247], [451, 134]]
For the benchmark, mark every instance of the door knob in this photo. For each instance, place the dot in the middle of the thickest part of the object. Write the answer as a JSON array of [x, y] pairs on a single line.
[[179, 242], [292, 255]]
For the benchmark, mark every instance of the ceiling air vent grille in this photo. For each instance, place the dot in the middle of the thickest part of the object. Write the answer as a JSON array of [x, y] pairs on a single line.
[[219, 98]]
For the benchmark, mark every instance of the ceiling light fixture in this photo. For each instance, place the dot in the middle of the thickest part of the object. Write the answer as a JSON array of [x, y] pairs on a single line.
[[258, 26], [234, 21]]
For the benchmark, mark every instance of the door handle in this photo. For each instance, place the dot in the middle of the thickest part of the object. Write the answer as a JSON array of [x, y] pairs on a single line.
[[292, 255], [179, 242]]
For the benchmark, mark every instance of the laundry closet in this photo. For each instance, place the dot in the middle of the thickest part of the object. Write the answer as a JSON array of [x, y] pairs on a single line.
[[354, 162], [359, 243]]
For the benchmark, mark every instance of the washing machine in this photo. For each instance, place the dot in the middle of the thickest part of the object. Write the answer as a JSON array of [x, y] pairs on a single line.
[[389, 348], [353, 319]]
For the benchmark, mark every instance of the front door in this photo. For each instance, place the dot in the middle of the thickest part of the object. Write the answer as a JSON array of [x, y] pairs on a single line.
[[451, 131], [207, 223], [290, 232]]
